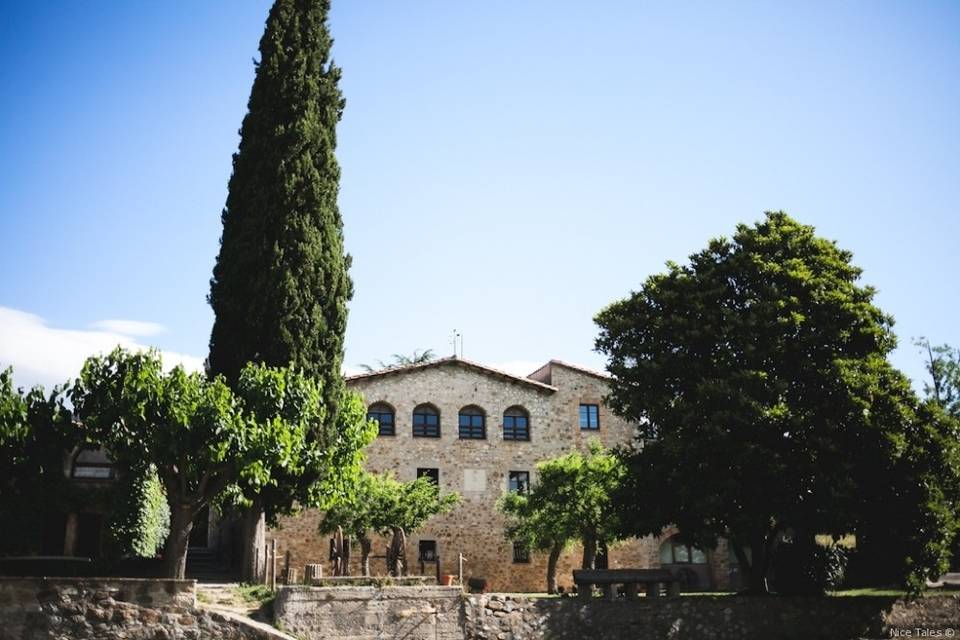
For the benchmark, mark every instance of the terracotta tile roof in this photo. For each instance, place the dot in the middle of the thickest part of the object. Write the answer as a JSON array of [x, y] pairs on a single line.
[[544, 373], [575, 367], [453, 360]]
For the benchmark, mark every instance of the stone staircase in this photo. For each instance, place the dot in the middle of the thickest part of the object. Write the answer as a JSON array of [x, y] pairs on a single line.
[[203, 565]]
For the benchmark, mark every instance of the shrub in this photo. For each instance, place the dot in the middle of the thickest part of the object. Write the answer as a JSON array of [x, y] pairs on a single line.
[[806, 568], [140, 518]]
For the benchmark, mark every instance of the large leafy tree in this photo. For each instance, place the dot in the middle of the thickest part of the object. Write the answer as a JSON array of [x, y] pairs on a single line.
[[380, 504], [199, 436], [572, 499], [324, 472], [539, 519], [757, 374], [280, 285], [37, 439], [39, 442]]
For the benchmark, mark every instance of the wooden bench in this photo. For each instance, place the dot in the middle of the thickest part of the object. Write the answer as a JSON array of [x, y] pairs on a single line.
[[631, 579]]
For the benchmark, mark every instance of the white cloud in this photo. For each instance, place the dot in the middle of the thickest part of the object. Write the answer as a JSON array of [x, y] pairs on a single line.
[[46, 355], [129, 327]]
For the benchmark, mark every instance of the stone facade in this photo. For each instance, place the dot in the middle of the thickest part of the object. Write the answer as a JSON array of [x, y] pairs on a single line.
[[500, 617], [442, 613], [115, 609], [479, 468], [370, 613]]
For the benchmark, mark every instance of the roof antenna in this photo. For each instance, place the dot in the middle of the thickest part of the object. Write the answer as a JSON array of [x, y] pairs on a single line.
[[457, 336]]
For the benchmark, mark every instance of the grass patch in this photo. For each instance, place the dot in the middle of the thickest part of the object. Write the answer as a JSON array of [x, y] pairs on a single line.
[[255, 593], [887, 593]]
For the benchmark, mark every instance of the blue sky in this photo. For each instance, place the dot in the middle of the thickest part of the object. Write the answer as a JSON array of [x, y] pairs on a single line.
[[508, 167]]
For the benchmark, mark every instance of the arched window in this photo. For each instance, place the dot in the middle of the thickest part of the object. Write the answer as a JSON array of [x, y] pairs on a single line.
[[674, 552], [426, 421], [473, 423], [516, 424], [384, 415]]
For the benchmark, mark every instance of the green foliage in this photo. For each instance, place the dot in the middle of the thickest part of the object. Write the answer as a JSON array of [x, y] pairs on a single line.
[[572, 499], [759, 379], [139, 520], [36, 435], [188, 427], [402, 360], [943, 365], [14, 428], [199, 435], [910, 507], [803, 567], [341, 458], [380, 502], [255, 593], [280, 284]]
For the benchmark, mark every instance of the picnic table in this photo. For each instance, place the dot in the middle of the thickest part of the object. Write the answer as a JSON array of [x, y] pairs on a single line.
[[631, 579]]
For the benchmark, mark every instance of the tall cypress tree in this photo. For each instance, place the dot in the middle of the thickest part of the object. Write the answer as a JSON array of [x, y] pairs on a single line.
[[280, 285]]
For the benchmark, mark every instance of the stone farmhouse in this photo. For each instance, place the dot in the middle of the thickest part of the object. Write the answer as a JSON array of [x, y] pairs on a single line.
[[480, 431]]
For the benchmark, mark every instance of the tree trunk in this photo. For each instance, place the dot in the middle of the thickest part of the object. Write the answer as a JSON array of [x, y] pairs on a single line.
[[345, 562], [366, 545], [397, 553], [552, 561], [754, 568], [175, 550], [758, 569], [589, 552], [254, 560], [338, 552]]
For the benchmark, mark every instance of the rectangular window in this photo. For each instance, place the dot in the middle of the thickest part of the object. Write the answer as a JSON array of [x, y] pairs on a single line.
[[516, 428], [426, 425], [589, 417], [433, 474], [521, 553], [428, 550], [518, 481]]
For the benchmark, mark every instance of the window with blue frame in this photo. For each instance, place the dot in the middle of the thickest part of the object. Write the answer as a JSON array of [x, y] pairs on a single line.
[[384, 415], [516, 424], [518, 481], [473, 423], [426, 422], [589, 417]]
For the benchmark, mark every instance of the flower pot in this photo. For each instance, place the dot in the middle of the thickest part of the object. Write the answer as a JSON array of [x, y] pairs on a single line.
[[447, 579]]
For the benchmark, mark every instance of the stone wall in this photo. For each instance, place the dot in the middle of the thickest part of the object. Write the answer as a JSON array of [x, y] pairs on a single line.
[[371, 613], [113, 609], [500, 617], [479, 469]]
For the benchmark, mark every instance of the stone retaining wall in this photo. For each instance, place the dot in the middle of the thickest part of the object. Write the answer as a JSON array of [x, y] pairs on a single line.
[[371, 613], [500, 617], [113, 609]]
